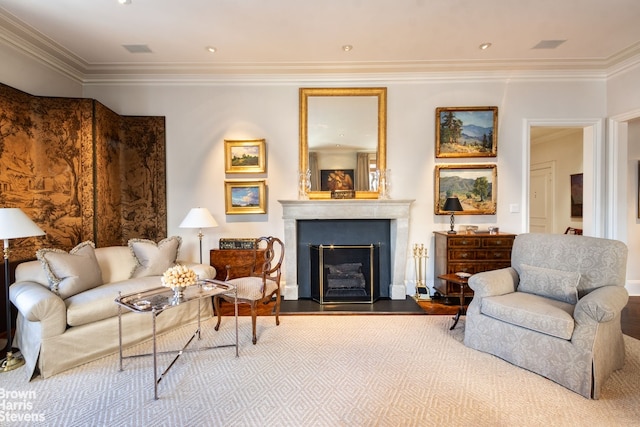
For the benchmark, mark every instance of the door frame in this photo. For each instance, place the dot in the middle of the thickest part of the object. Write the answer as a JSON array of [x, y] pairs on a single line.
[[593, 151]]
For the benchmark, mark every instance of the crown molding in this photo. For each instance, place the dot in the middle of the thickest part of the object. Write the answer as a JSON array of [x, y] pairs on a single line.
[[31, 43]]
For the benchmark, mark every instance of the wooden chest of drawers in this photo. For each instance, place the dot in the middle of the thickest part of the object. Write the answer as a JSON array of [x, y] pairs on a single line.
[[239, 260], [469, 253]]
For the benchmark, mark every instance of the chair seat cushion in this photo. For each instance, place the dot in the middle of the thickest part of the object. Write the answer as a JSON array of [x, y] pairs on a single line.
[[250, 288], [540, 314]]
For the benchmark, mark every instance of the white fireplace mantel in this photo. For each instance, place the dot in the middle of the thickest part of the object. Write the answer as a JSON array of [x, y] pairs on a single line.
[[397, 211]]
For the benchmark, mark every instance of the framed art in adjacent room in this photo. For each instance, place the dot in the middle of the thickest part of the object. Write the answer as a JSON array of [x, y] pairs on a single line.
[[576, 195], [466, 132], [245, 197], [474, 185], [246, 156]]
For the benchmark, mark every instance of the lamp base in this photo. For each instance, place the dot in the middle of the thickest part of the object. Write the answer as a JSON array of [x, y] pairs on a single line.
[[11, 362], [452, 232]]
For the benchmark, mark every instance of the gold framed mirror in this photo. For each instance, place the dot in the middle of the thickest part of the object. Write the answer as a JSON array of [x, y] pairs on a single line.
[[343, 131]]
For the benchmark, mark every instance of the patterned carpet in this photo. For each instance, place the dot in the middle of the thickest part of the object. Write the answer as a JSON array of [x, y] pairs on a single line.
[[320, 370]]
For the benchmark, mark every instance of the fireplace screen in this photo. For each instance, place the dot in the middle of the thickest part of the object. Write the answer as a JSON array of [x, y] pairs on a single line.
[[344, 273]]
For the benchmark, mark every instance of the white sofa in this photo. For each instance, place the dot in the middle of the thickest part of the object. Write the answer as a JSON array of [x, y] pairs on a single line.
[[56, 331]]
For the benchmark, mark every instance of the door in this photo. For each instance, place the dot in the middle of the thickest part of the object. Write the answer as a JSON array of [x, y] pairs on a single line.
[[541, 205]]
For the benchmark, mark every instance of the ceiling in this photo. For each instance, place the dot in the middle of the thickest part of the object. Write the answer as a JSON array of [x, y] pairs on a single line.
[[85, 38]]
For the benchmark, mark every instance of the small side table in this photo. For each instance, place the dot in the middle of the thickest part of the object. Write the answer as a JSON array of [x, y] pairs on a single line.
[[462, 282]]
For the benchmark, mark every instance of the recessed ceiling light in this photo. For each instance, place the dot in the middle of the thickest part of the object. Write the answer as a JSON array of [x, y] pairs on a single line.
[[124, 1], [485, 46], [211, 49], [347, 47]]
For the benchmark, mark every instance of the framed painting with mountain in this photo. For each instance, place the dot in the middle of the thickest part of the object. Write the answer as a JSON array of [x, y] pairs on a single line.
[[466, 132], [473, 185]]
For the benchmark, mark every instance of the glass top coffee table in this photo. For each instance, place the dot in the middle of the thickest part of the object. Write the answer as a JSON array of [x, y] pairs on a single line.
[[157, 300]]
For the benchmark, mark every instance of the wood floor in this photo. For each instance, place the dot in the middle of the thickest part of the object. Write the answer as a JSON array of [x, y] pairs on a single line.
[[630, 314]]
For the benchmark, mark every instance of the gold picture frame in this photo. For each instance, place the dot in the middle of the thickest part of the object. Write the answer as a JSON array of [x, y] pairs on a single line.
[[244, 156], [245, 197], [466, 132], [474, 185]]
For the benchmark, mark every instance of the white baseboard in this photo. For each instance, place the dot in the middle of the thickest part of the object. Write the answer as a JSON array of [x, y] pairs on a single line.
[[633, 287]]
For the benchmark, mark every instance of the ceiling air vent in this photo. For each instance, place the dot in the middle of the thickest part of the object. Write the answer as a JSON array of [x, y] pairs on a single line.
[[548, 44], [137, 48]]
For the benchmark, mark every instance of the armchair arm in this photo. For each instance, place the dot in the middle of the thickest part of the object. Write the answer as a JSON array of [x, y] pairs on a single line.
[[494, 282], [601, 305], [38, 304]]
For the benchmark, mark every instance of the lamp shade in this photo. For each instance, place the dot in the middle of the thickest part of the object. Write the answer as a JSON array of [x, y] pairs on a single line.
[[198, 218], [15, 224], [452, 205]]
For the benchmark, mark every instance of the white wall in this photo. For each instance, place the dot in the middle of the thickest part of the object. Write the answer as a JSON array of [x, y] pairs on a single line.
[[35, 77], [199, 116], [633, 191], [623, 106]]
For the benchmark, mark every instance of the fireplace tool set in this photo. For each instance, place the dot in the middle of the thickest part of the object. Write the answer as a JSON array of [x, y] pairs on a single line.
[[420, 261]]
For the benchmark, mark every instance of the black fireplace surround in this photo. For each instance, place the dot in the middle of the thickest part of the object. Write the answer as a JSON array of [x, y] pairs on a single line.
[[343, 232]]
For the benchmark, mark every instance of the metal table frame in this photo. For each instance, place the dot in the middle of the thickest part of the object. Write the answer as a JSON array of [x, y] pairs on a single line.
[[163, 300]]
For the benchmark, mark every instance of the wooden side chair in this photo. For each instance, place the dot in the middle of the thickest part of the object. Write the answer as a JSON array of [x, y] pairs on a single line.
[[571, 230], [259, 282]]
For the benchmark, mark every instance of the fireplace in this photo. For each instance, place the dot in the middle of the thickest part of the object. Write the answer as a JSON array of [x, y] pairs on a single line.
[[345, 273], [389, 217]]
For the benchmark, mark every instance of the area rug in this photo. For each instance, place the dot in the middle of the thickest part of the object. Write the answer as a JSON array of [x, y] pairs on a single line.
[[319, 371]]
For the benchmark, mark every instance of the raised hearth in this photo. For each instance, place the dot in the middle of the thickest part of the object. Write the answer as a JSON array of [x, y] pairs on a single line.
[[395, 211]]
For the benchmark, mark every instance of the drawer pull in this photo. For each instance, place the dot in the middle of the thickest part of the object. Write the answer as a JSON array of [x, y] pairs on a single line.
[[498, 242]]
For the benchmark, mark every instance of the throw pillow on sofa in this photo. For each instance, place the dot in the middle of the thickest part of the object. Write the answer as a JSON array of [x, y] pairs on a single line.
[[153, 258], [73, 272], [556, 284]]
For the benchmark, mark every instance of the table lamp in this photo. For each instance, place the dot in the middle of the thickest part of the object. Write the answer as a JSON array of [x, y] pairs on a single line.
[[14, 224], [452, 205], [199, 218]]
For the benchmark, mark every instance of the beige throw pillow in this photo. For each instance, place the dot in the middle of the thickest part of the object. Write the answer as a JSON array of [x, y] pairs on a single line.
[[153, 258], [556, 284], [71, 273]]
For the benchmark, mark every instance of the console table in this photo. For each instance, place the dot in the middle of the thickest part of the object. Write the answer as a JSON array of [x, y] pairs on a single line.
[[468, 253]]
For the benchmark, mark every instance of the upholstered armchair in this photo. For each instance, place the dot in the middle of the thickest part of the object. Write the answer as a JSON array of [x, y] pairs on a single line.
[[261, 282], [556, 310]]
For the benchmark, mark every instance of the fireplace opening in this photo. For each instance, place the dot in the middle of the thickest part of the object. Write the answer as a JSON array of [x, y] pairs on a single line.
[[345, 273]]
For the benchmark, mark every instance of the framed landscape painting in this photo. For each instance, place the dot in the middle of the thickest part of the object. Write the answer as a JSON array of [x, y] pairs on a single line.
[[474, 185], [247, 156], [466, 131], [245, 197]]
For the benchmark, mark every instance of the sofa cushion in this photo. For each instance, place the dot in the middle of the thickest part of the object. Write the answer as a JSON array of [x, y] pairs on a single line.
[[99, 303], [557, 284], [116, 263], [71, 273], [540, 314], [153, 258]]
